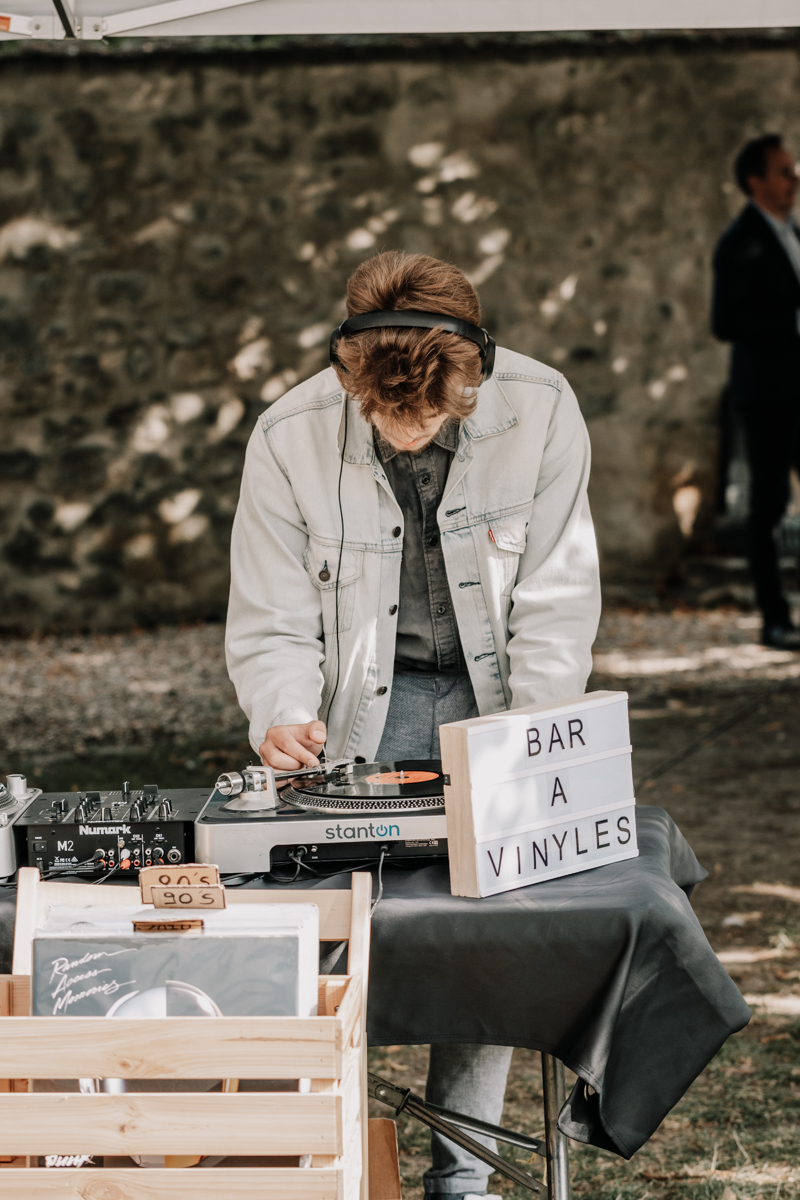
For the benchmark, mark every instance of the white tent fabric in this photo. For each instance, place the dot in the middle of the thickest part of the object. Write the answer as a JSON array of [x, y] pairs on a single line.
[[95, 19]]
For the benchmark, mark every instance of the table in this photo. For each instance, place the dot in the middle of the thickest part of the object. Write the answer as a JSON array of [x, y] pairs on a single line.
[[608, 971]]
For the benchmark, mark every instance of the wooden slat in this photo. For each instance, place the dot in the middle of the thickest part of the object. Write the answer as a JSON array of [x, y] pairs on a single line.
[[15, 999], [358, 966], [384, 1167], [247, 1183], [351, 1014], [332, 990], [333, 905], [172, 1047], [352, 1162], [329, 1086], [350, 1090], [458, 808], [177, 1123], [25, 920], [20, 995]]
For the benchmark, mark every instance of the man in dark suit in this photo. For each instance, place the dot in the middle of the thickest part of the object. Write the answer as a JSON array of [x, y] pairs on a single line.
[[757, 308]]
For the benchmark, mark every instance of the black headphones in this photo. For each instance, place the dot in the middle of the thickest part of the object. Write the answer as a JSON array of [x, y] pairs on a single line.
[[411, 319]]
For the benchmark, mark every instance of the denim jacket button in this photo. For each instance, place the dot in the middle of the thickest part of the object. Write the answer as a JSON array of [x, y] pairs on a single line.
[[396, 531], [382, 690]]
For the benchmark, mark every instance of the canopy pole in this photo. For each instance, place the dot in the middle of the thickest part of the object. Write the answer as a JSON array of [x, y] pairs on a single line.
[[64, 19]]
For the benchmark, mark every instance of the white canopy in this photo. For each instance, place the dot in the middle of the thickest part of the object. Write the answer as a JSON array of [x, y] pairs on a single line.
[[95, 19]]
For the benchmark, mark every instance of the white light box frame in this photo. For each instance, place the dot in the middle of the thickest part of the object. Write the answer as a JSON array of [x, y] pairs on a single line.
[[538, 792]]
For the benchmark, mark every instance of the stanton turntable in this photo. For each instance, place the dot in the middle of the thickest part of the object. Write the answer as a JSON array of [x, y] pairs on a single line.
[[339, 811]]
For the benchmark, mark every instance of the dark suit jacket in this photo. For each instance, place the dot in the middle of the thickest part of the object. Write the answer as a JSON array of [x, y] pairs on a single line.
[[756, 290]]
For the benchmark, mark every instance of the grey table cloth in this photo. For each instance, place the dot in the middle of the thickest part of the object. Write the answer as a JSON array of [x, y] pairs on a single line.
[[609, 970]]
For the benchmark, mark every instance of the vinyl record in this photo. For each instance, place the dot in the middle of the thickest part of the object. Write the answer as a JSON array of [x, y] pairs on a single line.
[[372, 787]]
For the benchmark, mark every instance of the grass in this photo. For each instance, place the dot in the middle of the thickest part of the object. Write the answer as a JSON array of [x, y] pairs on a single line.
[[734, 1135]]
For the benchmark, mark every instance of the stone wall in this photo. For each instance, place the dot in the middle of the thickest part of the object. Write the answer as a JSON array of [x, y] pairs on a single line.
[[176, 232]]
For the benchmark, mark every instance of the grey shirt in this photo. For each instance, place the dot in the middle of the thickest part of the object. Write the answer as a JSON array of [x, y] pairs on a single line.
[[427, 633]]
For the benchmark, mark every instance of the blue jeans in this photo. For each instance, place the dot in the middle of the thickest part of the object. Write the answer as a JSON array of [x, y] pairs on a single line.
[[467, 1078]]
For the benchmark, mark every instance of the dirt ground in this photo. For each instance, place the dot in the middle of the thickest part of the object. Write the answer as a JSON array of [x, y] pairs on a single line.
[[88, 712]]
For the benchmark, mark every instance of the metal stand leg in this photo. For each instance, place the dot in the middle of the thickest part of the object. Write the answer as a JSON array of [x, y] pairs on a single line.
[[557, 1146]]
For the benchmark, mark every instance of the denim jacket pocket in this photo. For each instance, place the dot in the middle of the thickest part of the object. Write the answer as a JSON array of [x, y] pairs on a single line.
[[509, 537], [322, 564]]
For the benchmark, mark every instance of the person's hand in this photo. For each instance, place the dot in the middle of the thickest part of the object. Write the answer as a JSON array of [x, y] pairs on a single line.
[[287, 747]]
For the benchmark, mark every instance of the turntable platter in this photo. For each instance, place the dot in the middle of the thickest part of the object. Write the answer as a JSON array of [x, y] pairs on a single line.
[[371, 787]]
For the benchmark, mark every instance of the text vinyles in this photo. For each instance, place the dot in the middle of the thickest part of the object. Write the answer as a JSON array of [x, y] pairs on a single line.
[[557, 849]]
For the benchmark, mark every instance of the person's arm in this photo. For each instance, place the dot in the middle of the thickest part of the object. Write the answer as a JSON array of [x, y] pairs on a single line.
[[556, 601], [273, 638]]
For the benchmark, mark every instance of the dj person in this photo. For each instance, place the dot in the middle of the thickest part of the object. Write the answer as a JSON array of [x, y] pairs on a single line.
[[448, 519]]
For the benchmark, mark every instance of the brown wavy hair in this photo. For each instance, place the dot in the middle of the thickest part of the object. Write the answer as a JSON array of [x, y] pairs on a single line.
[[410, 374]]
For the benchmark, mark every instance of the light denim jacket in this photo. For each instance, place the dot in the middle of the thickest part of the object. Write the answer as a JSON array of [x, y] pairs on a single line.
[[518, 544]]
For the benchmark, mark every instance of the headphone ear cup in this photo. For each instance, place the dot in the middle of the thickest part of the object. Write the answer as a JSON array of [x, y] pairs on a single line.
[[488, 358]]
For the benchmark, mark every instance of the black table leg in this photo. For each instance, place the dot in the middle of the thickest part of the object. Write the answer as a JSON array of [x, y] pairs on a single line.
[[557, 1146]]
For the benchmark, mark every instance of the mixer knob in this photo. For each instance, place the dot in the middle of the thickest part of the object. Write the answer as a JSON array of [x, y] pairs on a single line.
[[126, 789], [166, 808]]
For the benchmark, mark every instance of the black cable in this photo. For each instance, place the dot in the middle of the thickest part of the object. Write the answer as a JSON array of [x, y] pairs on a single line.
[[108, 875], [356, 866], [72, 869], [277, 879], [706, 738], [240, 878], [379, 896]]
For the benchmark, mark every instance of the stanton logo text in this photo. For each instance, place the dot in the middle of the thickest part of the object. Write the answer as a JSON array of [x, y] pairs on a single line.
[[355, 832]]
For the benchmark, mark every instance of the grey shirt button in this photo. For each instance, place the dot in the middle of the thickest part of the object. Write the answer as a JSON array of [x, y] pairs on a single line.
[[382, 690], [433, 541], [441, 609]]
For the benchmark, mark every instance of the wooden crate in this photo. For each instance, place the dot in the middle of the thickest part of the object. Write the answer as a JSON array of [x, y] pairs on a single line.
[[328, 1123]]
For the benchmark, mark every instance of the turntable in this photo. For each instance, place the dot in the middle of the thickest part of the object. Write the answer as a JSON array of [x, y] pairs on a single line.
[[339, 812], [371, 787]]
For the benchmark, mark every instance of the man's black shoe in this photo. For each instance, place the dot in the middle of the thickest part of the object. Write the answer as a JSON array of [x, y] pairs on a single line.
[[781, 637]]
